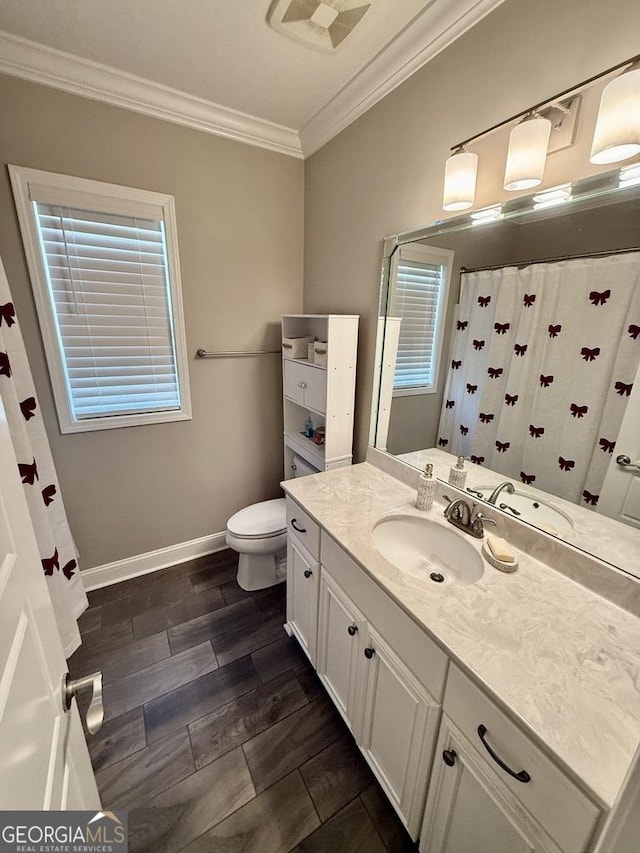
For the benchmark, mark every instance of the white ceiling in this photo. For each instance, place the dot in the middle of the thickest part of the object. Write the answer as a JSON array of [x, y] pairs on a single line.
[[223, 53]]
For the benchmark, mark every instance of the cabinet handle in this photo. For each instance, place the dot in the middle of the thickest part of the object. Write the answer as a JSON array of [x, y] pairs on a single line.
[[307, 573], [520, 775], [369, 653], [449, 757], [295, 526], [352, 630]]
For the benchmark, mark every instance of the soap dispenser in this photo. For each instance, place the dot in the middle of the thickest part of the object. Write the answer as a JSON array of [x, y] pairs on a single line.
[[426, 488], [458, 473]]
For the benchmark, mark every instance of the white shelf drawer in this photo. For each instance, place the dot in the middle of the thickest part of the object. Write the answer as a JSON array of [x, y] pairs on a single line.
[[305, 384], [556, 803], [303, 528]]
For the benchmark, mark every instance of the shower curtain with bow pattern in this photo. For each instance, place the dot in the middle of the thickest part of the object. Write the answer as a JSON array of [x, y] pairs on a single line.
[[543, 362], [38, 475]]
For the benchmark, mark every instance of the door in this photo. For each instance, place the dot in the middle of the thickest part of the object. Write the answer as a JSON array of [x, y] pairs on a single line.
[[306, 385], [469, 811], [303, 579], [620, 493], [399, 729], [44, 762], [339, 647]]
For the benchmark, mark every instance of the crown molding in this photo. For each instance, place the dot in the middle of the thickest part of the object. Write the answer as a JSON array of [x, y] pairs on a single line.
[[438, 26], [40, 64]]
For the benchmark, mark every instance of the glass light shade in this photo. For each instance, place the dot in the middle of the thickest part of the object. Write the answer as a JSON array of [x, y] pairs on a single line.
[[527, 153], [460, 181], [617, 133]]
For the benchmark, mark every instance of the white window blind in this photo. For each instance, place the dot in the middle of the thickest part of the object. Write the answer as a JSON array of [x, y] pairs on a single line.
[[105, 273], [418, 295], [110, 294]]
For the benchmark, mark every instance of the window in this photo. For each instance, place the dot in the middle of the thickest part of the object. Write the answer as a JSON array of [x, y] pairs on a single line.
[[104, 268], [418, 297]]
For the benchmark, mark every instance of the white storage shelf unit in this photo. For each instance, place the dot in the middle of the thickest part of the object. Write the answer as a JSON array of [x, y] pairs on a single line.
[[325, 393]]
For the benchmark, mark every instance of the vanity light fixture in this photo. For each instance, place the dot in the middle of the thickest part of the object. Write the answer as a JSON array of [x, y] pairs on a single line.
[[527, 154], [460, 180], [550, 126], [487, 214], [629, 176], [617, 133], [552, 197]]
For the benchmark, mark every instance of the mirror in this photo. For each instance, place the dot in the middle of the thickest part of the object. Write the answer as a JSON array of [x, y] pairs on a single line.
[[540, 347]]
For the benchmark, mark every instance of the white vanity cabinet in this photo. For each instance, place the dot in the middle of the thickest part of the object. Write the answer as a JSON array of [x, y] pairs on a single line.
[[493, 790], [468, 809], [461, 772], [399, 728], [341, 642], [303, 577], [324, 392], [385, 677]]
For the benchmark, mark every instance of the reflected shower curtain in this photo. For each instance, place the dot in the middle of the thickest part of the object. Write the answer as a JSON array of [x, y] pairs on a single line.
[[543, 361], [37, 472]]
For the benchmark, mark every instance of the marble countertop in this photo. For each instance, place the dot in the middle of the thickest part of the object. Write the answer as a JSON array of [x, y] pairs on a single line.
[[563, 660]]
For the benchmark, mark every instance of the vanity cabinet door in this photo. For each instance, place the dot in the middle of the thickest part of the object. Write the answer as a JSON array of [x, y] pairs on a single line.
[[303, 579], [399, 729], [340, 645], [468, 808]]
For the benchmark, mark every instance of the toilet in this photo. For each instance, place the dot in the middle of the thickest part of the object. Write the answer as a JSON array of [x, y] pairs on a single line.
[[259, 534]]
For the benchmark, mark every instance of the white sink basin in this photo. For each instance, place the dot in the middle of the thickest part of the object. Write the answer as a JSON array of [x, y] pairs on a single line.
[[532, 509], [424, 549]]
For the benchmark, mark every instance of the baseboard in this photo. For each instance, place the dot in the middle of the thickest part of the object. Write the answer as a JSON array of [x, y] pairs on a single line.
[[152, 561]]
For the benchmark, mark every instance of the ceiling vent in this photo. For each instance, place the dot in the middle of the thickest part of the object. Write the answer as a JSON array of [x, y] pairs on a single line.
[[320, 24]]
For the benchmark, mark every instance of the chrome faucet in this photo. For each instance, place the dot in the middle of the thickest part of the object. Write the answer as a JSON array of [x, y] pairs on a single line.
[[507, 486], [458, 512], [466, 518]]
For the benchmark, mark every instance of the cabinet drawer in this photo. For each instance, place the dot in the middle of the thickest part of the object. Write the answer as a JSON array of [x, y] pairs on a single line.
[[555, 802], [303, 528], [305, 384]]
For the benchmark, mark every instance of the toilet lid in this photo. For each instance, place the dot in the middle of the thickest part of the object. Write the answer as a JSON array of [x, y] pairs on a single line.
[[264, 519]]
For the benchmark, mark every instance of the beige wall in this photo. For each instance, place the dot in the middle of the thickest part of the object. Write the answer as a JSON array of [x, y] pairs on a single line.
[[240, 214], [383, 174]]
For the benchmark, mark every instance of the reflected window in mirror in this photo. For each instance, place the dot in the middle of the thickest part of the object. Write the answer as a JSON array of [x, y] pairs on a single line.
[[417, 304]]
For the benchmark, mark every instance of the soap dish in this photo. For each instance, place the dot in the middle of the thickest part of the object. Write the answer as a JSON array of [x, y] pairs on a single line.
[[498, 564]]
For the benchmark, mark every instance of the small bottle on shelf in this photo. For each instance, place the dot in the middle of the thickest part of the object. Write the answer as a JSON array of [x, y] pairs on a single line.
[[458, 473], [308, 427], [426, 488]]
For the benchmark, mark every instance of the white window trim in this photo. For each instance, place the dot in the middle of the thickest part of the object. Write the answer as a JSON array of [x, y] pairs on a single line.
[[430, 255], [140, 201]]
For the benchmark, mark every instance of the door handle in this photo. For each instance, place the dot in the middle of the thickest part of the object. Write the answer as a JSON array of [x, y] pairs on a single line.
[[624, 461], [72, 686]]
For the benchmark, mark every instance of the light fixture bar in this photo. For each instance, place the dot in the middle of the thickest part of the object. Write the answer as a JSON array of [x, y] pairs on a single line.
[[629, 176], [548, 102], [487, 214]]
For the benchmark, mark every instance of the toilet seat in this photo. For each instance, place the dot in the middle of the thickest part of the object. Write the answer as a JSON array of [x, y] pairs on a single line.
[[259, 521]]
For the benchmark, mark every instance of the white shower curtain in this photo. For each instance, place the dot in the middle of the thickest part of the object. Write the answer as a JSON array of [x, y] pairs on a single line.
[[542, 365], [37, 471]]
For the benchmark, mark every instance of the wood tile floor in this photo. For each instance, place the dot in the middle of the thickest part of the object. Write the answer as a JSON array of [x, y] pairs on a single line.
[[218, 735]]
